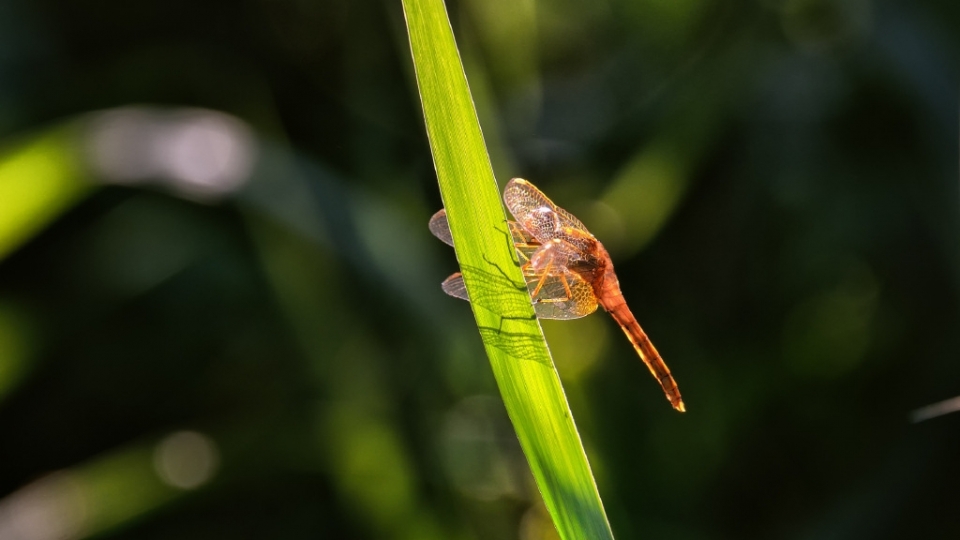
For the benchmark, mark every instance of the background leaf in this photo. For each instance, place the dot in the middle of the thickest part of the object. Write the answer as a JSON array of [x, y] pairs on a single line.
[[39, 178]]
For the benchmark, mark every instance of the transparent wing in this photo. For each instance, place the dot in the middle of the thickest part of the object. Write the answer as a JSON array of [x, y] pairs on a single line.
[[524, 243], [486, 286], [441, 228], [558, 292], [561, 296], [537, 214], [520, 235], [455, 287], [552, 301]]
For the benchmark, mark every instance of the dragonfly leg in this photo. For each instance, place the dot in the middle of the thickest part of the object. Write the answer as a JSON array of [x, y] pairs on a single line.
[[552, 300], [515, 230], [528, 269], [521, 240], [543, 279], [524, 259], [566, 288]]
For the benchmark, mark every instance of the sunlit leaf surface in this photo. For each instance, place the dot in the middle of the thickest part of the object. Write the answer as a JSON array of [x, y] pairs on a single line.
[[514, 342]]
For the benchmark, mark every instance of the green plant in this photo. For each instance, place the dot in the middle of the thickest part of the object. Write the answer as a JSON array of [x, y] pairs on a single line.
[[511, 334]]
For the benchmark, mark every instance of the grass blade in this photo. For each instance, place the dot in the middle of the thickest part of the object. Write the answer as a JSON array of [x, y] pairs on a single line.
[[40, 178], [511, 334]]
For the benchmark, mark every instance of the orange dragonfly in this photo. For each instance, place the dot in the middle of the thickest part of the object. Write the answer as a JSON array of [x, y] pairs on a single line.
[[568, 271]]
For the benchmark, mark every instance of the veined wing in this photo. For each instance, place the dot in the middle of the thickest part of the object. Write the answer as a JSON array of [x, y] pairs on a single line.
[[440, 227], [525, 244], [562, 295], [522, 240], [560, 292], [455, 287], [552, 300], [537, 214]]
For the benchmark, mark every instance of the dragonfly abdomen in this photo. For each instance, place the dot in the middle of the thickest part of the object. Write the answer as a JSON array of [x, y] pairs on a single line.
[[612, 301]]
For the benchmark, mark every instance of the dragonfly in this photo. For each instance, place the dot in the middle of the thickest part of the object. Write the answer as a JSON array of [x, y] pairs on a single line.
[[568, 272]]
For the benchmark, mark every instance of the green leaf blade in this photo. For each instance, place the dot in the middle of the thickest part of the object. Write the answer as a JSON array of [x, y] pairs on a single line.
[[514, 343]]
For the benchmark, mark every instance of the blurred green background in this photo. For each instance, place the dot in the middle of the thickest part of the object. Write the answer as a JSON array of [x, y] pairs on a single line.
[[220, 313]]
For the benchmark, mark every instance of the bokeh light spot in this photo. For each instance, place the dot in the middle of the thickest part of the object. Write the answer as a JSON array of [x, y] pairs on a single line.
[[827, 335], [52, 508], [370, 463], [186, 459], [578, 345], [644, 194], [197, 153]]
